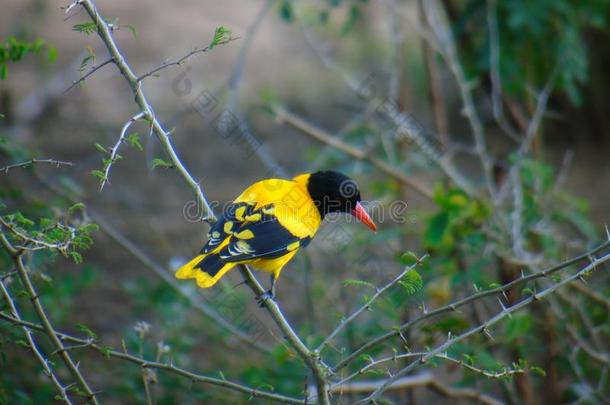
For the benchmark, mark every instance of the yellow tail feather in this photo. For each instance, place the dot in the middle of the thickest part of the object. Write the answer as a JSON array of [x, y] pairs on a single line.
[[189, 270], [204, 280]]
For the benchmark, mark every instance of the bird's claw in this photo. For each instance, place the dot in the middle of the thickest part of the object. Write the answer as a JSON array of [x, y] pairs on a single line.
[[267, 295]]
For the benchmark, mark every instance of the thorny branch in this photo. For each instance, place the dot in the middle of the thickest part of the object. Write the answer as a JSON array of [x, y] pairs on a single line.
[[32, 162], [422, 379], [89, 73], [311, 358], [418, 355], [368, 303], [485, 326], [42, 316], [130, 247], [471, 298], [105, 351], [105, 33], [114, 152], [180, 61], [32, 344]]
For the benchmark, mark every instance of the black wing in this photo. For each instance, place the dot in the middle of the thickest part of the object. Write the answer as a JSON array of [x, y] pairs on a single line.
[[233, 217], [263, 238]]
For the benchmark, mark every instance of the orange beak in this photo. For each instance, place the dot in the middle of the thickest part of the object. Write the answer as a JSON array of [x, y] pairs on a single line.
[[363, 217]]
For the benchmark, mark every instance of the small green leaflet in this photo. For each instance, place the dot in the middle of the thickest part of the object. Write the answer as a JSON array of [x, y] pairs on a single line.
[[358, 283], [412, 282], [86, 28], [85, 329], [158, 162], [134, 140], [220, 35]]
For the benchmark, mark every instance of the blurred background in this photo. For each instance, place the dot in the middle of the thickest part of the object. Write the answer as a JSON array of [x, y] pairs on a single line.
[[497, 111]]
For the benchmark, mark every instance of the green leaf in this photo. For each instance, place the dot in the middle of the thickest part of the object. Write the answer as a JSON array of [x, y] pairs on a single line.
[[85, 329], [412, 282], [266, 386], [86, 28], [358, 283], [287, 11], [106, 351], [408, 259], [99, 174], [527, 291], [23, 221], [77, 257], [133, 29], [158, 162], [538, 370], [134, 140], [220, 35], [22, 342], [101, 148], [436, 230], [366, 357], [51, 54], [76, 207], [517, 326]]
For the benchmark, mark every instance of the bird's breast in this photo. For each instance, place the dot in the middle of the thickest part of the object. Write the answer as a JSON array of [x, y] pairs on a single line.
[[288, 201]]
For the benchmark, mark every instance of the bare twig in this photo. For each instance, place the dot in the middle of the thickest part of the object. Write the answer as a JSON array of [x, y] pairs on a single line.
[[396, 41], [115, 149], [442, 356], [541, 104], [434, 78], [89, 73], [169, 367], [439, 25], [368, 303], [532, 128], [31, 291], [422, 379], [183, 59], [285, 116], [494, 72], [32, 162]]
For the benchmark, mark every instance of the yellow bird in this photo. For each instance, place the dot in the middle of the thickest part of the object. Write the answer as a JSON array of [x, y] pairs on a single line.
[[269, 222]]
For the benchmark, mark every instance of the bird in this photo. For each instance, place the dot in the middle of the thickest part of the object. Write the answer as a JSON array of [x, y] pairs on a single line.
[[269, 222]]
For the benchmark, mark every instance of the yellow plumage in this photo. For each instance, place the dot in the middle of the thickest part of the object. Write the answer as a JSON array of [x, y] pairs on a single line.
[[271, 221]]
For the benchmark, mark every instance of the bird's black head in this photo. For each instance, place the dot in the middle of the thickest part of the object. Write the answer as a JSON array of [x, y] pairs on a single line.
[[335, 192]]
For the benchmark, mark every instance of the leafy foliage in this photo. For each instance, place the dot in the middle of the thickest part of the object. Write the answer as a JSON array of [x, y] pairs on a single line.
[[14, 49]]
